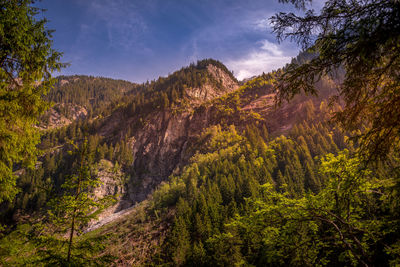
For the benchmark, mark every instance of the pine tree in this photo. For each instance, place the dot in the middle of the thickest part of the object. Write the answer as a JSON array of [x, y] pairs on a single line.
[[78, 205], [26, 63], [311, 182]]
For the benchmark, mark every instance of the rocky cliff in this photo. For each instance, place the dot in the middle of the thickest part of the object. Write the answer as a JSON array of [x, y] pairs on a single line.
[[62, 115], [164, 140], [155, 126]]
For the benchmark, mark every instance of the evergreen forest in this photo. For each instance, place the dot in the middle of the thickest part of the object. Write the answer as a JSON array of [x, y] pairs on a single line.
[[299, 166]]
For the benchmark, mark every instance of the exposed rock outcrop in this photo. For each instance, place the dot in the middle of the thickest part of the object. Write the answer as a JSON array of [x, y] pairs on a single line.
[[113, 184], [55, 118], [160, 146], [208, 91]]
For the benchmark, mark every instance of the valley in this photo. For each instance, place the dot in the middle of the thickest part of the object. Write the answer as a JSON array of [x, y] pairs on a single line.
[[214, 141]]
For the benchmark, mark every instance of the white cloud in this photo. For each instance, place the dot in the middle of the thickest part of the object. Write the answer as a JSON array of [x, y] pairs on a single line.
[[267, 57], [271, 48], [261, 24]]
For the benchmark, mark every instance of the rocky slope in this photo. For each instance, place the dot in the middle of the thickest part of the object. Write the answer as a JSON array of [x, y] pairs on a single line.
[[62, 115], [156, 126], [163, 142], [165, 139]]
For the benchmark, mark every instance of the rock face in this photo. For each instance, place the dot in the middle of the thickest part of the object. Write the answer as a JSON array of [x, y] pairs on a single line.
[[164, 142], [112, 179], [159, 149], [208, 91], [54, 117], [161, 145], [113, 184]]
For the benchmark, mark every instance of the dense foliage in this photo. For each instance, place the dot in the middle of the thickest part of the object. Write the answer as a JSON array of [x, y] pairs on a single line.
[[361, 36], [26, 63], [229, 168], [95, 94], [246, 200]]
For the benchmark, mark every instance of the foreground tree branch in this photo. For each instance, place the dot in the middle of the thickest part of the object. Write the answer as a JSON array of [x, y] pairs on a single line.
[[362, 37]]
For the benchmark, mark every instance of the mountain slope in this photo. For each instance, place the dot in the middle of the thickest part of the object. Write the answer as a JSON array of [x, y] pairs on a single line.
[[151, 130], [78, 97], [161, 135], [189, 148]]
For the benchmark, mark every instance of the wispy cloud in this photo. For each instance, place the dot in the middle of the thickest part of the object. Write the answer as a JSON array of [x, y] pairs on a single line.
[[263, 24], [268, 56], [122, 19], [195, 53], [145, 39]]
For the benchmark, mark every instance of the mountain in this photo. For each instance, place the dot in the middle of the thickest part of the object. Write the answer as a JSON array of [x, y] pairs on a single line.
[[151, 131], [160, 137], [83, 97], [187, 157]]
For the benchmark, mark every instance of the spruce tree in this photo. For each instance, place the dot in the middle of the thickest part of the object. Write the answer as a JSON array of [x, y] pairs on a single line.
[[26, 63], [78, 204]]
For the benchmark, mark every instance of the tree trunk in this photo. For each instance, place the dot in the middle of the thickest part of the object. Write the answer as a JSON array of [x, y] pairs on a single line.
[[71, 236]]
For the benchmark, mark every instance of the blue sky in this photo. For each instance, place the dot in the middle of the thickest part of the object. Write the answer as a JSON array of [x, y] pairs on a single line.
[[139, 40]]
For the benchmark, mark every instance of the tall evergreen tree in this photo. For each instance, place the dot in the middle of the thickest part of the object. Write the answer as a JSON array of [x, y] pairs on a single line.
[[26, 63], [78, 204]]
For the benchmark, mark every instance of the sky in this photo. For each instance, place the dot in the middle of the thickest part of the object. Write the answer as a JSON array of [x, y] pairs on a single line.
[[140, 40]]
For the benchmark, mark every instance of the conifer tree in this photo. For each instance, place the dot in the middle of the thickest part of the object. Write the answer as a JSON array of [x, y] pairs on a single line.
[[78, 204], [26, 63]]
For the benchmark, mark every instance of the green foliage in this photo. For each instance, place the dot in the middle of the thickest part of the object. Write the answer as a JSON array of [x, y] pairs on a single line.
[[78, 204], [227, 169], [229, 108], [98, 95], [168, 193], [28, 246], [27, 61], [361, 37], [337, 226], [15, 248]]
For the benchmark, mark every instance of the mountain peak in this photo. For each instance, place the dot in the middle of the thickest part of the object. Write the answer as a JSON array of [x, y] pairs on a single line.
[[188, 87], [204, 63], [218, 80]]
